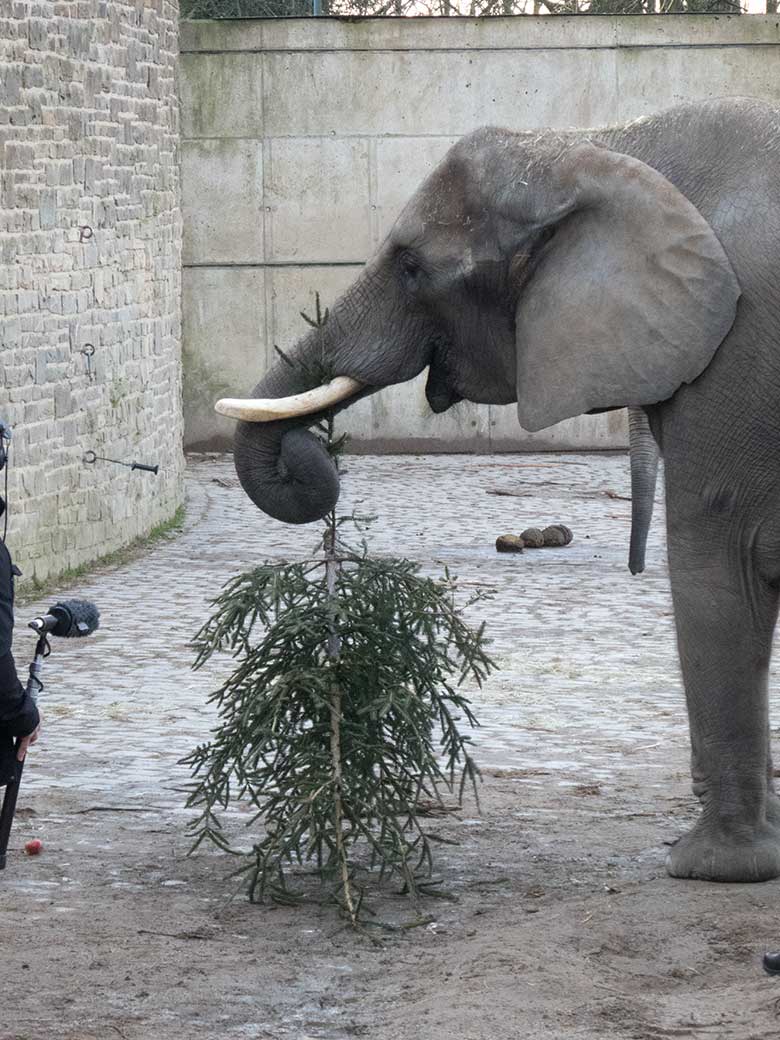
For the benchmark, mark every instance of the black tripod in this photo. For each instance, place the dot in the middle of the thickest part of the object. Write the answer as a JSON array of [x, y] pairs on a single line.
[[34, 687], [72, 619]]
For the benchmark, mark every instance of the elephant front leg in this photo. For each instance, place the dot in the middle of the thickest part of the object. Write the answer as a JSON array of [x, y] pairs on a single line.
[[725, 614]]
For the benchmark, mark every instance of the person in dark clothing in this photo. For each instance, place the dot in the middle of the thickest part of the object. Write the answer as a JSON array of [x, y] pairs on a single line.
[[18, 713]]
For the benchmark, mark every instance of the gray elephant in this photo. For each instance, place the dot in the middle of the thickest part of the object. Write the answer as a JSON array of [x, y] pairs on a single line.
[[583, 271]]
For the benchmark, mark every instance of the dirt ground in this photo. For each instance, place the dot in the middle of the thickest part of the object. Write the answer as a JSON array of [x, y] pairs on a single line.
[[560, 921]]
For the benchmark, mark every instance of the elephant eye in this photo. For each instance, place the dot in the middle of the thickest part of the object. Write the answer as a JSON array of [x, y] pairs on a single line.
[[410, 267]]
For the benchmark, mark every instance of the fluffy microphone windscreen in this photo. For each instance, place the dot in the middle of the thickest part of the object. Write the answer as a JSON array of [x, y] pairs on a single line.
[[76, 617]]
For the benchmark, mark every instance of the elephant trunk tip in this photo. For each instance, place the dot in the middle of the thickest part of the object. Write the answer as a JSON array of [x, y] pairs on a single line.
[[289, 475]]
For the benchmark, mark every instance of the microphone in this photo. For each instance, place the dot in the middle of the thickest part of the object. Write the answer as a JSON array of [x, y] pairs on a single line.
[[72, 619]]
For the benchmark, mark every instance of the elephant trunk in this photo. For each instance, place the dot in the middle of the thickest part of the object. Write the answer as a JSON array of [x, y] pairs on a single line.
[[285, 469], [644, 472]]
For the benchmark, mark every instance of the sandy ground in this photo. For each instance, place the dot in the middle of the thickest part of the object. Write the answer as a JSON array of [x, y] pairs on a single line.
[[560, 921]]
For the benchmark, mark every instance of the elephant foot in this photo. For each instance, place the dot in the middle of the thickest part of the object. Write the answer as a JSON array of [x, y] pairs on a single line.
[[709, 853]]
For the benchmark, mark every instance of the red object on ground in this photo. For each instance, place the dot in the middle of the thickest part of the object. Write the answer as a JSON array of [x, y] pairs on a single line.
[[33, 847]]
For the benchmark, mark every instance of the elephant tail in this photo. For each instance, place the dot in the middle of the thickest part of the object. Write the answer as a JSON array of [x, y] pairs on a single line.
[[644, 474]]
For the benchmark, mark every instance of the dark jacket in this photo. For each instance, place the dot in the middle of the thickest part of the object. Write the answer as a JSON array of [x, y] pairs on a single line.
[[18, 714]]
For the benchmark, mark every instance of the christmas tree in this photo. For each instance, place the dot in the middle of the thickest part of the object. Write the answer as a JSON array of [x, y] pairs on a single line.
[[339, 724]]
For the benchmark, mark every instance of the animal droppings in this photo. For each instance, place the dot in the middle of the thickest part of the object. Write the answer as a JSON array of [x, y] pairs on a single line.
[[509, 543], [533, 537], [557, 534], [554, 536]]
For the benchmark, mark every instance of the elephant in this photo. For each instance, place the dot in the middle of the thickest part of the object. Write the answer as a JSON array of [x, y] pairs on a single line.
[[580, 271]]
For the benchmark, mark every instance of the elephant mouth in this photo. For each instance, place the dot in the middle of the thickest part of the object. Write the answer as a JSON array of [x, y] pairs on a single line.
[[269, 409], [440, 389]]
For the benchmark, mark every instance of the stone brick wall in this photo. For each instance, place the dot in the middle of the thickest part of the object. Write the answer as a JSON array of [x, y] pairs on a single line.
[[90, 253]]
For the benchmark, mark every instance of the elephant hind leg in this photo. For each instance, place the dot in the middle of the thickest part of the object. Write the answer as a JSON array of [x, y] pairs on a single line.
[[725, 613]]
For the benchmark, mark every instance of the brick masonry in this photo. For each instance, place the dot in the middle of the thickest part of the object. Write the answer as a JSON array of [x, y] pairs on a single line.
[[89, 133]]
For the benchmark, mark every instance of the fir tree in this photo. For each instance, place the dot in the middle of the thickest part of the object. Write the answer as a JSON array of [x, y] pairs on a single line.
[[339, 723]]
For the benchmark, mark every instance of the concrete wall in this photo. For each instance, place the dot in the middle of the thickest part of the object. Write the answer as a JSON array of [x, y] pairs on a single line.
[[89, 129], [303, 138]]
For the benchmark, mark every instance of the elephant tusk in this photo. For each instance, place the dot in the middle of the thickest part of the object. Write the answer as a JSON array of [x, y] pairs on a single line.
[[270, 409]]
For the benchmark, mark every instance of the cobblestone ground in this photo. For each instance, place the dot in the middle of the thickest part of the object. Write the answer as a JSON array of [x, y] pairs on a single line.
[[587, 700], [587, 667]]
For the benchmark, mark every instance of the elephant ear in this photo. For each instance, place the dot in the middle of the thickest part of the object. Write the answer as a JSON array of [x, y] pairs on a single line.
[[630, 298]]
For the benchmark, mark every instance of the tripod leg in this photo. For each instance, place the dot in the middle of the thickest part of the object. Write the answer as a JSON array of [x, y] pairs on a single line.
[[9, 808], [34, 686]]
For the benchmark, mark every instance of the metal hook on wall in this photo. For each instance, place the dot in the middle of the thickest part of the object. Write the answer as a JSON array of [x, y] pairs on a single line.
[[88, 350], [90, 458], [85, 233]]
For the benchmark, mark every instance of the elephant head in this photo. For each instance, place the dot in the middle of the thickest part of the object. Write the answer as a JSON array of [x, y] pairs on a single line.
[[546, 269]]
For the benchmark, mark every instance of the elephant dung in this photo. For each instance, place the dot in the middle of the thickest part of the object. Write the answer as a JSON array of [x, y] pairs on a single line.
[[533, 538], [509, 543], [557, 534]]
